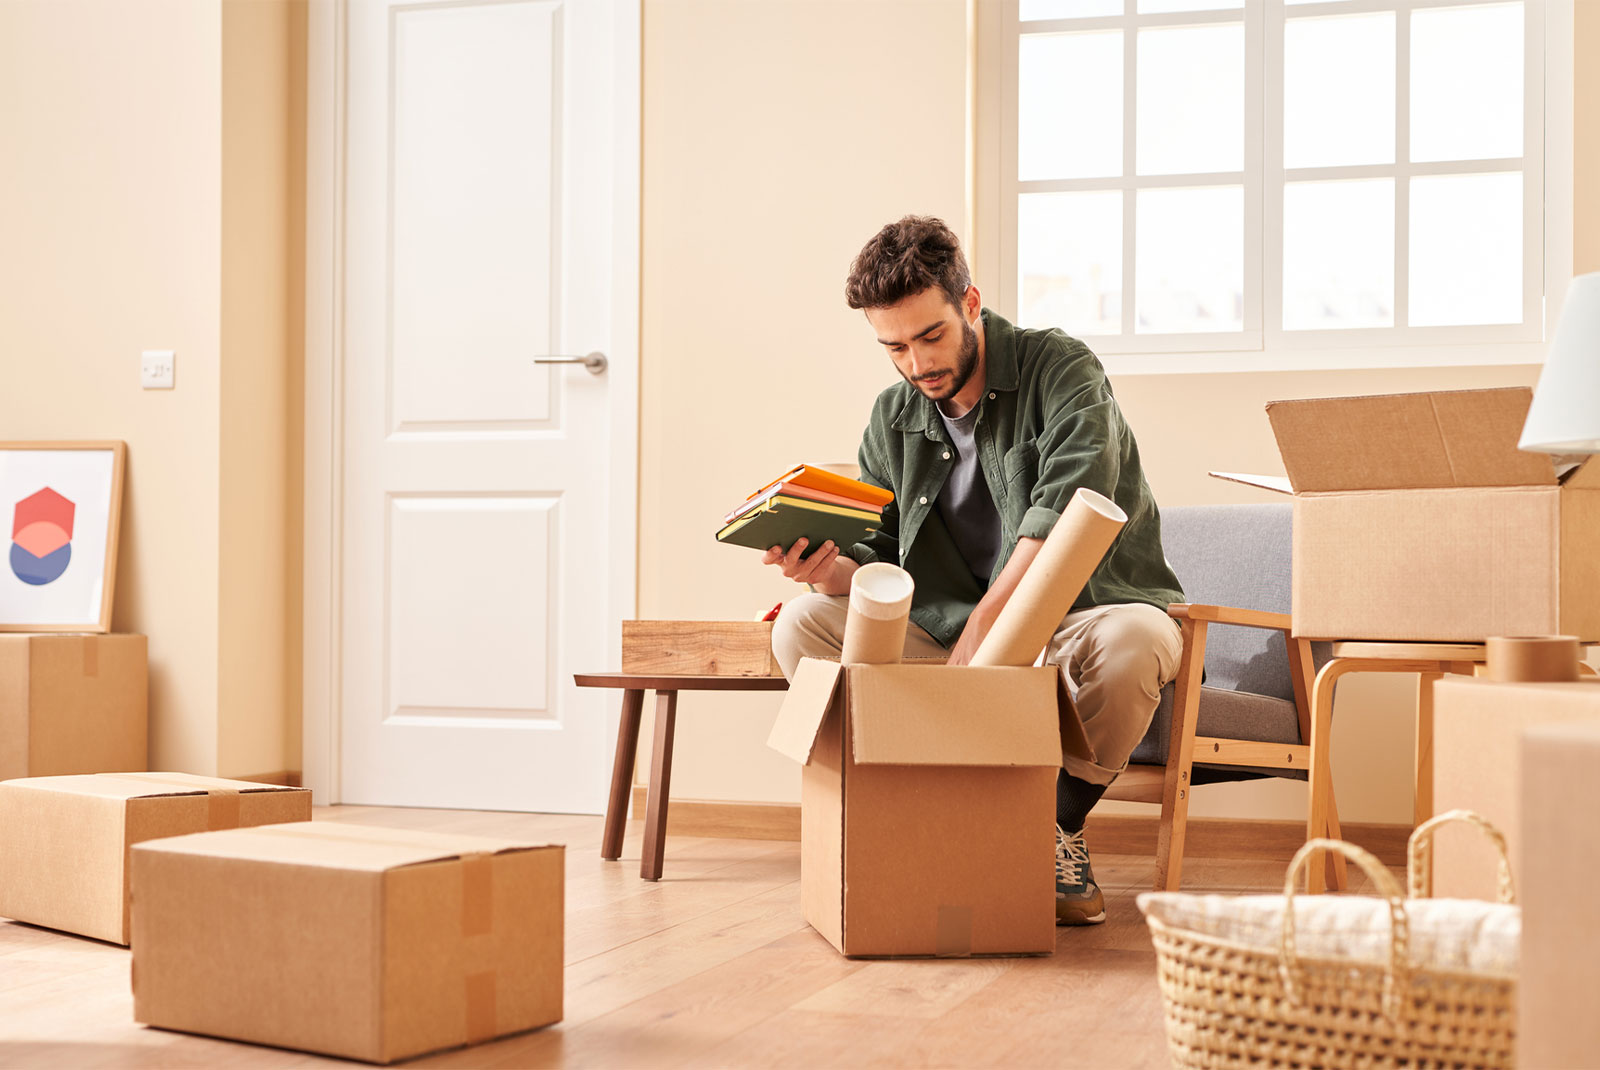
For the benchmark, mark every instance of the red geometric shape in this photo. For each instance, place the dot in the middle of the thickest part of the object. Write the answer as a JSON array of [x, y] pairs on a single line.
[[42, 537], [44, 506]]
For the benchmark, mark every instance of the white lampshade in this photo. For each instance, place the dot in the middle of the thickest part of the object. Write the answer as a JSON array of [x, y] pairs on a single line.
[[1565, 416]]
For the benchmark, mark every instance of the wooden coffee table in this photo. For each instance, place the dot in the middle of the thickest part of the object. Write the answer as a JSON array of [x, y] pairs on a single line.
[[666, 687]]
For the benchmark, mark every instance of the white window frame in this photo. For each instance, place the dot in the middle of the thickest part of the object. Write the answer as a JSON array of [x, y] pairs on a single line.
[[1263, 345]]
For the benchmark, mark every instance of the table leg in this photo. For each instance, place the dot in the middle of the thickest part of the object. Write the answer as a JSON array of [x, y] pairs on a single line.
[[622, 774], [1319, 812], [1422, 774], [655, 818]]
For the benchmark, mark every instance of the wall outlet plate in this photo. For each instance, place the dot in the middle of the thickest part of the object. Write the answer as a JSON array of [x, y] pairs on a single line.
[[156, 369]]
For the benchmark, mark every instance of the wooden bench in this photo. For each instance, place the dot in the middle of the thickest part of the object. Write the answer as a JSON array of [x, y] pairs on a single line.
[[666, 686]]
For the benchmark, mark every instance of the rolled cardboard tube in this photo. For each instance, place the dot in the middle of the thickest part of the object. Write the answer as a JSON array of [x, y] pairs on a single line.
[[1069, 556], [1532, 658], [880, 605]]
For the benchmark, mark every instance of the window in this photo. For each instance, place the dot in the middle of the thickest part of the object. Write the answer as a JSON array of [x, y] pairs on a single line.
[[1290, 179]]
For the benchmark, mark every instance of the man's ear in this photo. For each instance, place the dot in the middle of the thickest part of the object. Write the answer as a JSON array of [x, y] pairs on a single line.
[[971, 303]]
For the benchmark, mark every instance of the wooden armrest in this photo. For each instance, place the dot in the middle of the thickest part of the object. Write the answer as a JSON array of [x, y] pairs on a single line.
[[1253, 618]]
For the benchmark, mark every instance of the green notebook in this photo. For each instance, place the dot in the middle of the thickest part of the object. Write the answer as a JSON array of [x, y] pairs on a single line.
[[780, 520]]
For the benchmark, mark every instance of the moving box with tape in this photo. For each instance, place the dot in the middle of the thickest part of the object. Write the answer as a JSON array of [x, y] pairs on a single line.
[[927, 804], [64, 839], [72, 704], [349, 940]]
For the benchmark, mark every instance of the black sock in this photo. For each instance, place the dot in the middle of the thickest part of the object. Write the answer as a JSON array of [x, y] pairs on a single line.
[[1074, 799]]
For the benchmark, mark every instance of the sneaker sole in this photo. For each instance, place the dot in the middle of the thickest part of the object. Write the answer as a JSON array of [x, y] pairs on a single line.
[[1080, 920]]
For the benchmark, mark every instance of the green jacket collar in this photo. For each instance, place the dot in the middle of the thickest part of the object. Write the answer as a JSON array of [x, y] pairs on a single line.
[[1000, 373]]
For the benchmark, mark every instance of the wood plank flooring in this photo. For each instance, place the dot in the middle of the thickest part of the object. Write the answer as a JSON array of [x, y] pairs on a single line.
[[711, 966]]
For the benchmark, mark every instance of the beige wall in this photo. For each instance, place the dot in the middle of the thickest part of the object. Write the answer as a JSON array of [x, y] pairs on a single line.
[[132, 221], [777, 137]]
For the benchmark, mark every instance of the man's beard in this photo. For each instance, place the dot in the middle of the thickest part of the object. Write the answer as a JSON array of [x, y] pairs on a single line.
[[966, 365]]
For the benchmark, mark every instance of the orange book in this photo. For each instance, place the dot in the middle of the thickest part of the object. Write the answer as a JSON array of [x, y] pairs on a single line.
[[814, 478]]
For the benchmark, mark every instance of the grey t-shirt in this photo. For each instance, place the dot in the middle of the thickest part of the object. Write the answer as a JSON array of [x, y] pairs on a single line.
[[965, 502]]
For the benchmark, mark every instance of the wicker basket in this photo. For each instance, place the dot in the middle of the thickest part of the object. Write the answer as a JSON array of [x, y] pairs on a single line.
[[1230, 1005]]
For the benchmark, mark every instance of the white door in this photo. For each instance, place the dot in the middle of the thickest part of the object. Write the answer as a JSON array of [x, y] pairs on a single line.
[[486, 539]]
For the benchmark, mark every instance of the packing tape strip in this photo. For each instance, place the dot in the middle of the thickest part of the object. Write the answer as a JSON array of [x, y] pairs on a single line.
[[477, 894], [954, 935], [91, 656], [222, 809], [481, 1017], [477, 919]]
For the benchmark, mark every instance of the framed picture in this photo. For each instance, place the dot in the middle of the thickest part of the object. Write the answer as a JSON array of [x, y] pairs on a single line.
[[61, 502]]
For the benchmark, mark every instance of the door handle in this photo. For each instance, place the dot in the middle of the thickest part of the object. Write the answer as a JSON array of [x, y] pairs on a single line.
[[593, 363]]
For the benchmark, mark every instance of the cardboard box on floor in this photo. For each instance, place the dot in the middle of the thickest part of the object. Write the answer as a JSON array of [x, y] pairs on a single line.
[[1556, 1023], [72, 704], [927, 804], [368, 943], [1476, 727], [1417, 518], [64, 840]]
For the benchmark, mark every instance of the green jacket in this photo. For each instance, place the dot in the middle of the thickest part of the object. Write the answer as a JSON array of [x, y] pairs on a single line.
[[1047, 424]]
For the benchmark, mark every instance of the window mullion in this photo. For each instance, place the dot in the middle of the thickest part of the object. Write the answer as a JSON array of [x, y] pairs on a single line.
[[1130, 196], [1402, 173], [1272, 175]]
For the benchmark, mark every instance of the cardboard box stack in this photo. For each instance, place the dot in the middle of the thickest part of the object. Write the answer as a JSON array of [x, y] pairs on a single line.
[[64, 840], [927, 804], [363, 942], [72, 704], [1476, 728], [1560, 867], [1417, 518]]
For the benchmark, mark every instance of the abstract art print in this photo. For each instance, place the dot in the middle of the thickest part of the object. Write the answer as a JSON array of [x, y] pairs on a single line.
[[61, 503]]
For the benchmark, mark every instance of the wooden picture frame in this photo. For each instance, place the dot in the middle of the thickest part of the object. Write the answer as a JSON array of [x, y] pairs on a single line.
[[61, 503]]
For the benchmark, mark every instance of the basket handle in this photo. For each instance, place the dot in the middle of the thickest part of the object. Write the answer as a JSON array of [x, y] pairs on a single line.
[[1419, 851], [1396, 979]]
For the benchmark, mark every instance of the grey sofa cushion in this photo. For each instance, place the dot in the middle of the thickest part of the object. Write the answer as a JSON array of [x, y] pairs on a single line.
[[1234, 555]]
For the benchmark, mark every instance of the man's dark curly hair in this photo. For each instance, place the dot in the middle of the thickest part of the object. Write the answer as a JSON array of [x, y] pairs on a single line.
[[905, 258]]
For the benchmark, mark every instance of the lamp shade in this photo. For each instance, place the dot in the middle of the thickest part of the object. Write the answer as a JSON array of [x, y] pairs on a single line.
[[1565, 415]]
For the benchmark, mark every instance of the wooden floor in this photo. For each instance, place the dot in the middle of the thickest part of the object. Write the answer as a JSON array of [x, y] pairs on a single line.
[[712, 966]]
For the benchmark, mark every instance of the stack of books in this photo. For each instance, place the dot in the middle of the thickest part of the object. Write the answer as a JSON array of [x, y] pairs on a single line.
[[807, 501]]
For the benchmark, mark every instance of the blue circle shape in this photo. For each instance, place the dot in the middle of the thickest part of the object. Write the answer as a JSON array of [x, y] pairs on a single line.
[[39, 571]]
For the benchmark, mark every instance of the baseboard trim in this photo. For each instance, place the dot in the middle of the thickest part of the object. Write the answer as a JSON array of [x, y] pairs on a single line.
[[732, 820], [286, 778], [1132, 834]]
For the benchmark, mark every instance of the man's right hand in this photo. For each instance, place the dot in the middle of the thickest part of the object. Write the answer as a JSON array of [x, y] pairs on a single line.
[[825, 570]]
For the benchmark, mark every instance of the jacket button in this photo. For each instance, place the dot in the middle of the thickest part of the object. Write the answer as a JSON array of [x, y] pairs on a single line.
[[991, 397], [923, 501], [947, 455]]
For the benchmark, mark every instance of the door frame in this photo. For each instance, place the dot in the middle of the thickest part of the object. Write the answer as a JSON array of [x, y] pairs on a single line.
[[327, 47]]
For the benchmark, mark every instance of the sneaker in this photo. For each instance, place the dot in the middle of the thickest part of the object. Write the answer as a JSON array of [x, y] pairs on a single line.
[[1078, 898]]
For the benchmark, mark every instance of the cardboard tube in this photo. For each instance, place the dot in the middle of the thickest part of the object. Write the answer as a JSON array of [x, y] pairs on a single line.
[[1532, 658], [880, 605], [1069, 556]]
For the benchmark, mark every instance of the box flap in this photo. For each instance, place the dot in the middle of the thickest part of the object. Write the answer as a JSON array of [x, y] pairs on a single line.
[[1275, 483], [142, 785], [1458, 438], [934, 715], [335, 845], [804, 708]]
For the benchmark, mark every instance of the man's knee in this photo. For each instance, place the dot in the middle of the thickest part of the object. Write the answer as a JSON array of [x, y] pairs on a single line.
[[1136, 642], [811, 625]]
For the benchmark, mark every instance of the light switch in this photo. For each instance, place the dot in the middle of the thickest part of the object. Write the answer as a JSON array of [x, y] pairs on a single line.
[[156, 369]]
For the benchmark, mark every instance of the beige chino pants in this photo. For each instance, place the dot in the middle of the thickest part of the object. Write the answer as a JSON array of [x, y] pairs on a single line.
[[1116, 659]]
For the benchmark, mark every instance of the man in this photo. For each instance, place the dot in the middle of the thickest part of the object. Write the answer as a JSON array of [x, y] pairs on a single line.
[[983, 445]]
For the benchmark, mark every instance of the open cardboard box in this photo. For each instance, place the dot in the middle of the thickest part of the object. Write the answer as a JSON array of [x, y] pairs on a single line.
[[1417, 518], [351, 940], [927, 804], [64, 840]]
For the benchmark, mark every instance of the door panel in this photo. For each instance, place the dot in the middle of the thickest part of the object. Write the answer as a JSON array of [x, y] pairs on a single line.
[[478, 535]]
